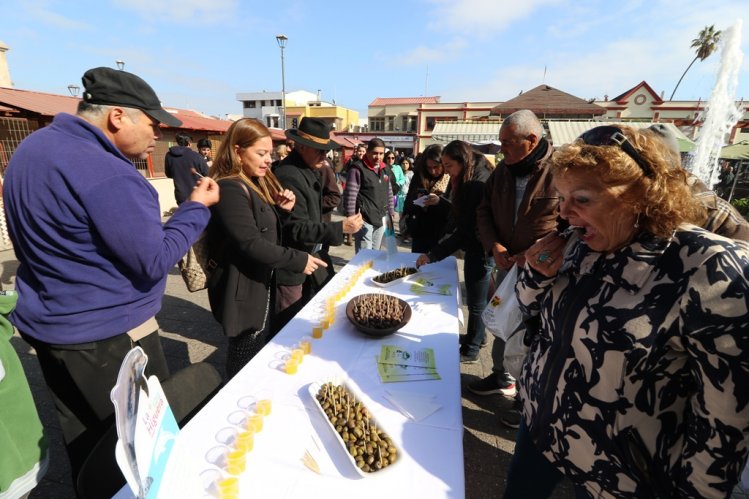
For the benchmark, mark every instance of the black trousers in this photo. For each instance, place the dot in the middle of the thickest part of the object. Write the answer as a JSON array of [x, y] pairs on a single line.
[[81, 377]]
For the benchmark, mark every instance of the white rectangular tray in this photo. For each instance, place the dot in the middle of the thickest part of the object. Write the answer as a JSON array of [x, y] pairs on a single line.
[[313, 389]]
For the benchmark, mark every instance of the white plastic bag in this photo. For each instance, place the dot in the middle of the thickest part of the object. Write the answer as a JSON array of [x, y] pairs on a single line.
[[502, 314]]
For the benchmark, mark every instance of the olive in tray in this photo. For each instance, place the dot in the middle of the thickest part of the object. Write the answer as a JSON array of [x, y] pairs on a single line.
[[392, 275], [370, 448]]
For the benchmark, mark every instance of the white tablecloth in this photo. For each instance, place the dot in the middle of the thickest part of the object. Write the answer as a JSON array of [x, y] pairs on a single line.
[[430, 451]]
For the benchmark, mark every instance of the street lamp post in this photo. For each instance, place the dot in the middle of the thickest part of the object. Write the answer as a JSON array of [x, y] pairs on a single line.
[[74, 89], [120, 64], [282, 39]]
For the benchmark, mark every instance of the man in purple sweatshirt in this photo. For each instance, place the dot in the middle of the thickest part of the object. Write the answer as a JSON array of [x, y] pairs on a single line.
[[86, 229]]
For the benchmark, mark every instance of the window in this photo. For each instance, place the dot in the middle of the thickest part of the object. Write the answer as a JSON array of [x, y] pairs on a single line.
[[249, 104], [377, 124], [391, 123], [409, 124], [431, 121]]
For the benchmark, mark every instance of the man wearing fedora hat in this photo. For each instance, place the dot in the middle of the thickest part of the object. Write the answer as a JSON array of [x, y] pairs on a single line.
[[93, 253], [305, 229]]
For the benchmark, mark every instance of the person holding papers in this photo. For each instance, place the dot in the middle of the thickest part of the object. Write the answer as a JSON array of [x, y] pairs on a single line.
[[468, 172]]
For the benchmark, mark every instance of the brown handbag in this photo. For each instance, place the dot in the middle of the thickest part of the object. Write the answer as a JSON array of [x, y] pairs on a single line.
[[196, 266]]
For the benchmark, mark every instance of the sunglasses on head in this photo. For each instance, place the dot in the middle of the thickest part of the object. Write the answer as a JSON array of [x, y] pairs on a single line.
[[609, 136]]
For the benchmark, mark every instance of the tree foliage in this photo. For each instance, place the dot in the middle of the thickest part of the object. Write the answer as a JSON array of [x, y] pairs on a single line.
[[705, 44]]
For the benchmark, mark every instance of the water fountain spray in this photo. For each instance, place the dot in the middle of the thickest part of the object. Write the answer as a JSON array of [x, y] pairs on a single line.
[[721, 112]]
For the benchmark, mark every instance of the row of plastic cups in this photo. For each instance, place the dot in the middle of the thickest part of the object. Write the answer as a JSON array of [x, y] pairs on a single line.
[[304, 347]]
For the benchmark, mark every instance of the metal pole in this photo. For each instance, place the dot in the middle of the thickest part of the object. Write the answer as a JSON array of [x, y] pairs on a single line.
[[282, 39]]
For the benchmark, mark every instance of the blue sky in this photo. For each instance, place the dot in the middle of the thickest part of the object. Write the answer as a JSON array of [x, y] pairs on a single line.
[[199, 54]]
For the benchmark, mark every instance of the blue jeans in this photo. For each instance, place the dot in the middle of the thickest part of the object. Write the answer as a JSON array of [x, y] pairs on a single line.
[[477, 270], [369, 237], [531, 475]]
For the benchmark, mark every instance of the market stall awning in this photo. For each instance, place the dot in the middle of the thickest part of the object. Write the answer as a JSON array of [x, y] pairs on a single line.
[[739, 150], [564, 132], [474, 131]]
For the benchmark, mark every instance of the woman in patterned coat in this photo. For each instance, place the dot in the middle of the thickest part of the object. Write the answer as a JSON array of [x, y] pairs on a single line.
[[637, 384]]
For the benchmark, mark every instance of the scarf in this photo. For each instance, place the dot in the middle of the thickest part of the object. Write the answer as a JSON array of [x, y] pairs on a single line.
[[374, 168], [440, 186], [525, 165]]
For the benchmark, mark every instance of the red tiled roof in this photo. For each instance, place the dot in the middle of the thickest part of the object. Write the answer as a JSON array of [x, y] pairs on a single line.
[[344, 141], [38, 102], [51, 104], [623, 98], [397, 101], [277, 134], [193, 120], [544, 100]]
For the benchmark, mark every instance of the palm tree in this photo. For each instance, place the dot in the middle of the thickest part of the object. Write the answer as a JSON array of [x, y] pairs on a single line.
[[705, 43]]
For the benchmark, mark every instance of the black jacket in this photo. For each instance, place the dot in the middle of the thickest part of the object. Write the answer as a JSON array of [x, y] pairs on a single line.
[[178, 164], [425, 223], [304, 228], [464, 230], [245, 239]]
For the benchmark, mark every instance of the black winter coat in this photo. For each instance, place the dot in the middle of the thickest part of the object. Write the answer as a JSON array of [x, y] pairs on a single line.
[[464, 233], [425, 223], [245, 239], [304, 228], [178, 165]]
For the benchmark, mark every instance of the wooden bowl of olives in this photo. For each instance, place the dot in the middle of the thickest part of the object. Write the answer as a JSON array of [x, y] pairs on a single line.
[[378, 314], [369, 449]]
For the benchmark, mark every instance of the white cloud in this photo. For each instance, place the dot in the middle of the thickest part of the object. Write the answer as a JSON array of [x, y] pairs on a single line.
[[41, 10], [480, 17], [181, 11], [424, 55]]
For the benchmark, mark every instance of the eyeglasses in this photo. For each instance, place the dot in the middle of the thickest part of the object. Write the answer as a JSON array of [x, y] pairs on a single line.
[[390, 157], [610, 135]]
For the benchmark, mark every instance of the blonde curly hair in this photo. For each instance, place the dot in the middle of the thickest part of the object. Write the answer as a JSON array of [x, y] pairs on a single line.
[[662, 199]]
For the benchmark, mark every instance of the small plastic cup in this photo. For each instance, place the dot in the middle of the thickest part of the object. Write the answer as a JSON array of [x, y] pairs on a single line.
[[236, 462], [306, 345], [317, 330], [298, 354], [264, 406], [325, 322], [228, 487], [291, 366], [245, 441], [255, 422]]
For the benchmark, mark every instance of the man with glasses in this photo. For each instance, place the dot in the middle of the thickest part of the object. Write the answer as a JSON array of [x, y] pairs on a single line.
[[519, 207], [94, 256], [304, 229]]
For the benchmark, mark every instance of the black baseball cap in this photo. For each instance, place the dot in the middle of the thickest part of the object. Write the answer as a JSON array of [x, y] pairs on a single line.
[[114, 87]]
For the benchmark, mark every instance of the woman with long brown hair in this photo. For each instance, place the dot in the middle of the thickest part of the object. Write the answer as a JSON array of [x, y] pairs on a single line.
[[427, 223], [468, 172], [245, 240]]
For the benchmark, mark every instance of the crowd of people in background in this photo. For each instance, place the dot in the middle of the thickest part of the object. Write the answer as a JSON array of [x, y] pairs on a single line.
[[633, 276]]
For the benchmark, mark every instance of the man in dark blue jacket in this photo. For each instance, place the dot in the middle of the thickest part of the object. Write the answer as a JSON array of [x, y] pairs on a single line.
[[179, 164], [86, 229]]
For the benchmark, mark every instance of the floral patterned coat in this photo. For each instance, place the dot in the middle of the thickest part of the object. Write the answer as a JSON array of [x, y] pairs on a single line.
[[638, 383]]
